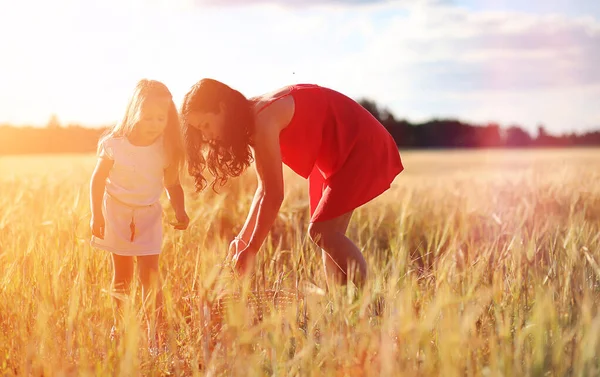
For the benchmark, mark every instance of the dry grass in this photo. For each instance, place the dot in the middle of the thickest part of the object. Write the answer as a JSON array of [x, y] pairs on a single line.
[[481, 263]]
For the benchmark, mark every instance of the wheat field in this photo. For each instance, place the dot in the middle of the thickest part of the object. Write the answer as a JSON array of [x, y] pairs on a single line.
[[481, 263]]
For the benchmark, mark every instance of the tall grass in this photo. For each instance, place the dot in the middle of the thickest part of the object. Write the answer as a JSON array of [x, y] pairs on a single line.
[[481, 264]]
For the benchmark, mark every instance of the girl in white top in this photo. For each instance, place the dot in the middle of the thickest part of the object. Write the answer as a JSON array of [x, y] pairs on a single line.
[[138, 159]]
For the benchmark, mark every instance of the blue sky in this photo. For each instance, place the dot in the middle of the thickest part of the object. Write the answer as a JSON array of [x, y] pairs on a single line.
[[510, 62], [572, 8]]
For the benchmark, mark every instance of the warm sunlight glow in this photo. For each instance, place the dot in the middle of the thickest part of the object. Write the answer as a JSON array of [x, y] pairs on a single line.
[[478, 61], [427, 203]]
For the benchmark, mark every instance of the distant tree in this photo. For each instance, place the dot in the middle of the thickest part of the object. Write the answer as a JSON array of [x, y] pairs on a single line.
[[373, 108], [386, 116], [542, 137], [489, 136], [541, 132], [53, 122], [517, 137]]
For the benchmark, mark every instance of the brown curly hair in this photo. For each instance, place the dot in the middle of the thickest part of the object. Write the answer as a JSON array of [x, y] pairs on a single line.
[[229, 156]]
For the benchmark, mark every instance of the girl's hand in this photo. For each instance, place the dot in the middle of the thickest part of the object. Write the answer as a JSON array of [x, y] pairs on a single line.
[[97, 225], [182, 221]]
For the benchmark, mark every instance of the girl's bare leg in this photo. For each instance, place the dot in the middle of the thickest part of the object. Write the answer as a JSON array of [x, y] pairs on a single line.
[[121, 284], [152, 296]]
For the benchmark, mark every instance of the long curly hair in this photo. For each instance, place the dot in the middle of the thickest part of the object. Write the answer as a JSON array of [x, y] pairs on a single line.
[[229, 156]]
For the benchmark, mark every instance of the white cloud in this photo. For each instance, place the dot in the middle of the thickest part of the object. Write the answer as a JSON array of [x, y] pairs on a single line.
[[292, 3], [522, 68], [421, 58]]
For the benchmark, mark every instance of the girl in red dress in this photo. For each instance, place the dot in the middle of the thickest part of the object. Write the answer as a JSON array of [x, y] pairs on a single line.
[[347, 156]]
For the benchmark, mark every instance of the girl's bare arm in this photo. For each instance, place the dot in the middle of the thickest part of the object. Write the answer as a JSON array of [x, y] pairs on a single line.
[[98, 184], [174, 189]]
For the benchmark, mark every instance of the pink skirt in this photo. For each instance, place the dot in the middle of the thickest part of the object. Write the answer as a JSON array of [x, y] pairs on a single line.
[[130, 230]]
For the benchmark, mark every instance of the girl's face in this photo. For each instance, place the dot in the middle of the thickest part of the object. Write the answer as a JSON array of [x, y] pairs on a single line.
[[152, 121], [210, 124]]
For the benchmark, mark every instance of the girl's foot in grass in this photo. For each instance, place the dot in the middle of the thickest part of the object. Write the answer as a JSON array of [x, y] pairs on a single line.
[[155, 351], [113, 336]]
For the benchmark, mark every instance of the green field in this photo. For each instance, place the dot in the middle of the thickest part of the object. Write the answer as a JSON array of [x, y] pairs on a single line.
[[481, 263]]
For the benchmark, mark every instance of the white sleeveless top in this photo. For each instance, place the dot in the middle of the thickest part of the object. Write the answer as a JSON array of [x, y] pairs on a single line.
[[137, 175]]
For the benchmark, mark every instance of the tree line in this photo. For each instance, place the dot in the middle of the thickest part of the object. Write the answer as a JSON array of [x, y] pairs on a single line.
[[434, 134], [451, 133]]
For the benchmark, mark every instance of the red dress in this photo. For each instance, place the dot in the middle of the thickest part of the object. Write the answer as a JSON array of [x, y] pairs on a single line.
[[348, 157]]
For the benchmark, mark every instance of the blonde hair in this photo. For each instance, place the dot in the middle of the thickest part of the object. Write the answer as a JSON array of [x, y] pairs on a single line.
[[145, 90]]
